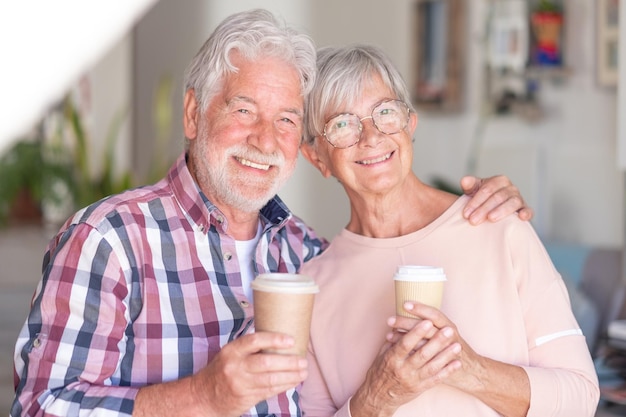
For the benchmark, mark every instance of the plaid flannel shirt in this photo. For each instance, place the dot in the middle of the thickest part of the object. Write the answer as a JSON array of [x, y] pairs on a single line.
[[142, 288]]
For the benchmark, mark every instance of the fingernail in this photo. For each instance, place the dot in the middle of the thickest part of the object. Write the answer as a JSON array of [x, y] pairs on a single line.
[[409, 306], [493, 217], [447, 332], [391, 321]]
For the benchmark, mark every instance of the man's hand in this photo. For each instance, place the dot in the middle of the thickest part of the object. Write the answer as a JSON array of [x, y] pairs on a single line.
[[492, 199], [238, 378]]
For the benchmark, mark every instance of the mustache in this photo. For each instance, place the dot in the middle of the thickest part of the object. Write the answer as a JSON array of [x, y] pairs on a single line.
[[254, 155]]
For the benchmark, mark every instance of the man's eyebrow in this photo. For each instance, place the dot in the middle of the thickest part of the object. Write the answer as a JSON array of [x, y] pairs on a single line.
[[239, 99], [295, 110]]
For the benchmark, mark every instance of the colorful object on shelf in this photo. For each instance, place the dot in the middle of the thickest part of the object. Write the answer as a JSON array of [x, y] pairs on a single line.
[[547, 27]]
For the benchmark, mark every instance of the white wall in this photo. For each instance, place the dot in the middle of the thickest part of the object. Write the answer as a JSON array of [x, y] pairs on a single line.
[[114, 69], [46, 51], [565, 165]]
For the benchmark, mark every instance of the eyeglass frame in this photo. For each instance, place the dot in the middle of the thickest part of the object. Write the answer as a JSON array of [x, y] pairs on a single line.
[[371, 116]]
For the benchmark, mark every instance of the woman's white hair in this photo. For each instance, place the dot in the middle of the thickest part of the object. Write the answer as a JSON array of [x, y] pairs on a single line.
[[341, 75]]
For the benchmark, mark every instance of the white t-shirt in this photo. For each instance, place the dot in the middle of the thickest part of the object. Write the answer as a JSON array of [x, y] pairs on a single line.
[[245, 254]]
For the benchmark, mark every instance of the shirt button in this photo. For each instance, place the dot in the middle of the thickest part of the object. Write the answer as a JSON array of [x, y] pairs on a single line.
[[36, 343], [202, 227], [244, 304], [220, 219], [228, 256]]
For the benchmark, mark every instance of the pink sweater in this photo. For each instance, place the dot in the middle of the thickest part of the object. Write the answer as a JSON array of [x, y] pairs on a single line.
[[503, 293]]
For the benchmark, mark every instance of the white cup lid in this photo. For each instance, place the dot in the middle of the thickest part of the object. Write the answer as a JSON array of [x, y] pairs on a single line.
[[419, 273], [285, 283]]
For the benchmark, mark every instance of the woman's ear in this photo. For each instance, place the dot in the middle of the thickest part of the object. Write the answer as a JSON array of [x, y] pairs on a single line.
[[412, 123], [309, 151], [190, 115]]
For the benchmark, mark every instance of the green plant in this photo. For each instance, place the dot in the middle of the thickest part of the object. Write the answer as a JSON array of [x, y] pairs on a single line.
[[547, 6], [55, 166], [90, 187], [30, 168]]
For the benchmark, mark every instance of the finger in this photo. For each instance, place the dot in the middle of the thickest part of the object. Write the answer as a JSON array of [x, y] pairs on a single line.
[[276, 382], [393, 338], [403, 324], [411, 340], [448, 370], [270, 362], [475, 206], [496, 205], [438, 351], [470, 184], [492, 191], [526, 213], [271, 374], [426, 312], [257, 342], [265, 388], [443, 365], [502, 204]]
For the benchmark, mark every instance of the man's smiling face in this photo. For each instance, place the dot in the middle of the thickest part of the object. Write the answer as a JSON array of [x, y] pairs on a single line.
[[245, 145]]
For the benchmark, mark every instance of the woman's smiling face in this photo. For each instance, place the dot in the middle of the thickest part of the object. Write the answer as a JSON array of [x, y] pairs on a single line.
[[378, 162]]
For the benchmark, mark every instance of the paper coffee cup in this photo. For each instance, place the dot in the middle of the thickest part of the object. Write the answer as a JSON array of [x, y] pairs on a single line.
[[423, 284], [283, 303]]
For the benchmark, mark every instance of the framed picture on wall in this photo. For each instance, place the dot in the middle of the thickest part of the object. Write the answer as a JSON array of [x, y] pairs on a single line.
[[438, 52], [607, 15], [508, 35]]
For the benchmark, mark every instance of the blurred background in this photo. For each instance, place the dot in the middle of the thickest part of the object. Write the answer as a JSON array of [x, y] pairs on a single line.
[[92, 104]]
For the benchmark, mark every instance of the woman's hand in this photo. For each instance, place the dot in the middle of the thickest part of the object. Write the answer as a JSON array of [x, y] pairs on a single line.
[[413, 362], [502, 386], [466, 379]]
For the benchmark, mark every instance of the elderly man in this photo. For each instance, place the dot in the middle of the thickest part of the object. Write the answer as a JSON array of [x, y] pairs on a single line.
[[144, 307]]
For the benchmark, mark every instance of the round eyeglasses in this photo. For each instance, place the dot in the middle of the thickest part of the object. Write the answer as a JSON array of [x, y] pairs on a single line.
[[389, 117]]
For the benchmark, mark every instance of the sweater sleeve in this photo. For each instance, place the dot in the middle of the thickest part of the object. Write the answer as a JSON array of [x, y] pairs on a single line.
[[562, 377], [563, 381], [315, 398]]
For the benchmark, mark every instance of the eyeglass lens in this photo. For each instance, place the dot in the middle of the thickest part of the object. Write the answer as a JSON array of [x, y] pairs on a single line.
[[389, 117]]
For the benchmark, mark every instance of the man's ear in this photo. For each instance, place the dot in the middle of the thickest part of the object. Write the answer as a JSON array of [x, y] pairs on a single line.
[[190, 115], [309, 151]]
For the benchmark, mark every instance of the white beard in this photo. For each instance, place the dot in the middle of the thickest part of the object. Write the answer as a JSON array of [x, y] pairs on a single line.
[[232, 187]]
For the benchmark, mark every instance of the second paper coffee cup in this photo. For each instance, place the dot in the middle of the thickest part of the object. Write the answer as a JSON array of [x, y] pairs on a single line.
[[283, 303], [419, 283]]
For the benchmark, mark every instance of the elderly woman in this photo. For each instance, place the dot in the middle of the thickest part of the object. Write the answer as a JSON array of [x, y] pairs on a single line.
[[504, 342]]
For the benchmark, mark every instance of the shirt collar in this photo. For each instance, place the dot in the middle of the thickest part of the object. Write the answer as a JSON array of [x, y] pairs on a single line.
[[276, 211]]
